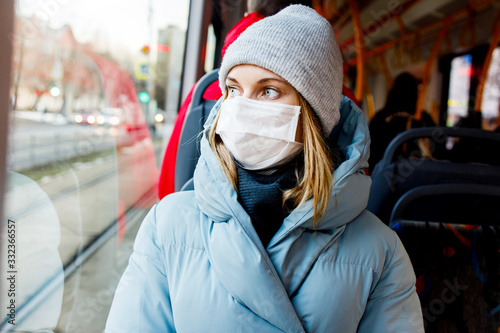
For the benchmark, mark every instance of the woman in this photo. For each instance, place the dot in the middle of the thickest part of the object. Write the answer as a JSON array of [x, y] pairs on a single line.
[[272, 239], [256, 11]]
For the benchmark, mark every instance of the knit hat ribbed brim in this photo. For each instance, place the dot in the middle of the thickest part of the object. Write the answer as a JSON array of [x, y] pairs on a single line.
[[299, 45]]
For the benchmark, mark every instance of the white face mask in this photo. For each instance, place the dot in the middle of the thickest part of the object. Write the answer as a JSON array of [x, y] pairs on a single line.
[[259, 135]]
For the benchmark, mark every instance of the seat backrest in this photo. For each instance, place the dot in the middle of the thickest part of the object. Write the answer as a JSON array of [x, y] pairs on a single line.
[[452, 235], [395, 175], [467, 204], [188, 150], [457, 271]]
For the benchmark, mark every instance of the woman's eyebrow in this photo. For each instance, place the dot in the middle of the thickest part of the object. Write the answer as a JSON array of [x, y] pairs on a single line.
[[272, 79], [264, 80]]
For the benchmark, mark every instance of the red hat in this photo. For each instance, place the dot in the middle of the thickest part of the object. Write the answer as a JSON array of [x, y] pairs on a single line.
[[241, 26]]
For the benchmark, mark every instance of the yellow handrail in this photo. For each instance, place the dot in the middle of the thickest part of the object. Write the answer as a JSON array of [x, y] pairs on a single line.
[[358, 39], [428, 68], [385, 69], [369, 101], [410, 35]]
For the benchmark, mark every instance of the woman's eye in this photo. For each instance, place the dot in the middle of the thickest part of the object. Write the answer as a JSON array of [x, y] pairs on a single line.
[[233, 92], [271, 93]]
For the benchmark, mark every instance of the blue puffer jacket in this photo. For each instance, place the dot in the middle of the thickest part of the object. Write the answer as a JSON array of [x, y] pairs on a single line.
[[199, 266]]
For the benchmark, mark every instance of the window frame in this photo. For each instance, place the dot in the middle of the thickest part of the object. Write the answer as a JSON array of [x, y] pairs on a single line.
[[6, 33]]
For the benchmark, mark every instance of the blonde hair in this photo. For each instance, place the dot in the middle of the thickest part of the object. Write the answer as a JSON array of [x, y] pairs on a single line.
[[314, 173]]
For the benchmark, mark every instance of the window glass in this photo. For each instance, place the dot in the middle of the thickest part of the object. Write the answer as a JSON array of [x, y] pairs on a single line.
[[458, 95], [491, 93], [95, 89], [210, 50]]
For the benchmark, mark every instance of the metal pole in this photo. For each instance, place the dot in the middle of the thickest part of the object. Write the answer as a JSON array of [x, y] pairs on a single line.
[[358, 39], [428, 67], [196, 39]]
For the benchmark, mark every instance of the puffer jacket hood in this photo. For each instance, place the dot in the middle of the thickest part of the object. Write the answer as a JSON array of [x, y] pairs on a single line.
[[350, 187]]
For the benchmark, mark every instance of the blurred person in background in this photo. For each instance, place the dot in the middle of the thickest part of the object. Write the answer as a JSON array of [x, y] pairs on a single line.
[[398, 115]]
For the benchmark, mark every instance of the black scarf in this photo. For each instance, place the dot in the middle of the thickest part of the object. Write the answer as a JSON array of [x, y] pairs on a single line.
[[262, 198]]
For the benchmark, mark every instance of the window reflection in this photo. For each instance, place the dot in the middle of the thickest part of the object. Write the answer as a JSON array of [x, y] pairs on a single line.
[[94, 94], [34, 269], [458, 96], [491, 93]]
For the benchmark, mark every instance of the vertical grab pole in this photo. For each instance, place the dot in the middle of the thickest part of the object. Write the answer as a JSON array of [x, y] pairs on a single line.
[[196, 38], [385, 69], [358, 42], [428, 68], [369, 101], [487, 61]]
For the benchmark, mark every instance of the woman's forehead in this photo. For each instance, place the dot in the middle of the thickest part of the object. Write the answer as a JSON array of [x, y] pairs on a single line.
[[246, 69], [250, 72]]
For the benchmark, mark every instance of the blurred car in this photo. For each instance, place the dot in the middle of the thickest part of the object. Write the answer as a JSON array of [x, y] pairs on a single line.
[[88, 118], [160, 116], [112, 116]]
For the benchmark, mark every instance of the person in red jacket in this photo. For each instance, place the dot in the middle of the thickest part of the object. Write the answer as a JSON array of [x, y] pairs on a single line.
[[257, 10]]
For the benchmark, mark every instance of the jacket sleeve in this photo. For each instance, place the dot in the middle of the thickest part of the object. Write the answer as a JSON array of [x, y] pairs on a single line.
[[393, 305], [142, 299]]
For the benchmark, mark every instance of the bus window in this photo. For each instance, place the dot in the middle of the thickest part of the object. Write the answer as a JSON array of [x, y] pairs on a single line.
[[94, 92], [491, 93], [458, 96], [210, 49]]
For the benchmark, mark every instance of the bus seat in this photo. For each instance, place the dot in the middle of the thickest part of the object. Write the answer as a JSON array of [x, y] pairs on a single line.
[[395, 175], [450, 203], [457, 263], [189, 149], [188, 186]]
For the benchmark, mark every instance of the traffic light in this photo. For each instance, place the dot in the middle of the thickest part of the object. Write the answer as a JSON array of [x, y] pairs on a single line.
[[145, 49], [55, 91], [144, 97]]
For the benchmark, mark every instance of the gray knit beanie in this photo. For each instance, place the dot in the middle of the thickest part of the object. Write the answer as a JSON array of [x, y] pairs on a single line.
[[299, 45]]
